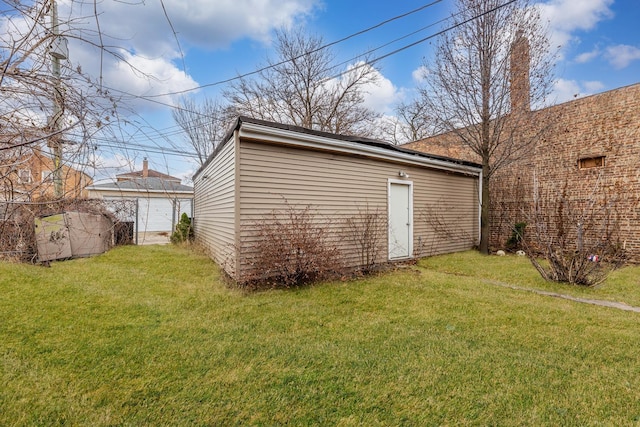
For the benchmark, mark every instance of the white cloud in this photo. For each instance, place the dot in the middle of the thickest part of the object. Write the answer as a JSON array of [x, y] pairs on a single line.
[[131, 75], [186, 176], [620, 56], [587, 56], [382, 95], [107, 164], [567, 90], [593, 86], [160, 76], [210, 24], [419, 74], [142, 56], [379, 95], [568, 16]]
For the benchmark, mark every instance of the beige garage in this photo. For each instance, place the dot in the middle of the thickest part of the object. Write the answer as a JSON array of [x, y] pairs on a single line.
[[430, 203]]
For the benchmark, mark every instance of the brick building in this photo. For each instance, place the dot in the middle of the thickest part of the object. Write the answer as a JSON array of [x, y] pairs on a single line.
[[589, 154], [26, 174]]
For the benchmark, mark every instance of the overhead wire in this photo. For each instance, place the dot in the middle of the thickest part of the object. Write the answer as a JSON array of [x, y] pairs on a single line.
[[381, 57], [325, 46], [177, 130], [151, 98], [410, 45]]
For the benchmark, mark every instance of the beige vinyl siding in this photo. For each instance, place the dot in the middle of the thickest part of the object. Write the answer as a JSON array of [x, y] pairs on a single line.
[[338, 186], [215, 207], [446, 212]]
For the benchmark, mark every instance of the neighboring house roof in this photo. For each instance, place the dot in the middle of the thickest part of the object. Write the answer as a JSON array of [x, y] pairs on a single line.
[[354, 145], [146, 173], [151, 174], [144, 185]]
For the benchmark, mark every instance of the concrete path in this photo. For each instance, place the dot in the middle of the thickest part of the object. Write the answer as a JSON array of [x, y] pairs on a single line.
[[153, 238], [603, 303]]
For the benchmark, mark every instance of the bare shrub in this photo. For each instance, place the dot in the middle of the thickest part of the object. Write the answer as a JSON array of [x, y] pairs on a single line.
[[366, 230], [511, 202], [578, 238], [292, 247], [444, 220]]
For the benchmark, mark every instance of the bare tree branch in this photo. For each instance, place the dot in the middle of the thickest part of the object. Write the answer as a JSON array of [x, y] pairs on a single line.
[[297, 88], [486, 75], [204, 124]]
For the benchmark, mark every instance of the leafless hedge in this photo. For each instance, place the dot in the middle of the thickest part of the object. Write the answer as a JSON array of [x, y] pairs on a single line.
[[290, 247], [366, 231], [445, 223], [578, 238]]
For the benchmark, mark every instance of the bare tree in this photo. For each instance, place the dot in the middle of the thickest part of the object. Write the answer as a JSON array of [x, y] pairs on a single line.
[[299, 87], [290, 247], [46, 103], [367, 230], [411, 122], [487, 73], [204, 124]]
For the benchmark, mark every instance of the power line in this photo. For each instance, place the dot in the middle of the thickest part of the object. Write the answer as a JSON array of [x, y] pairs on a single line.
[[148, 149], [150, 98], [350, 36], [104, 142], [177, 130], [452, 27], [364, 64]]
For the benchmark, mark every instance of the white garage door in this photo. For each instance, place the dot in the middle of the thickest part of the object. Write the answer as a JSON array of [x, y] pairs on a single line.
[[183, 206], [155, 214]]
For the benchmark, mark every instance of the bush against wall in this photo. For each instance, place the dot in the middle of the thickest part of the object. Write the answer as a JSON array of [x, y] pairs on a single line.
[[511, 203], [184, 230], [578, 238], [290, 247], [367, 231], [447, 225], [516, 241]]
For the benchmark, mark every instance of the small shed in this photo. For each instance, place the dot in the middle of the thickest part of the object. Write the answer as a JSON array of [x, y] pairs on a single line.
[[429, 204], [72, 235]]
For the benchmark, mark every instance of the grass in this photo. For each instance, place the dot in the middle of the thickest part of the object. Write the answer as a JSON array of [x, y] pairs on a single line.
[[151, 336], [622, 285]]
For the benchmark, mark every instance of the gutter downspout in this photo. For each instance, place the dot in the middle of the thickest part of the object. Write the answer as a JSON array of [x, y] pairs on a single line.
[[479, 207]]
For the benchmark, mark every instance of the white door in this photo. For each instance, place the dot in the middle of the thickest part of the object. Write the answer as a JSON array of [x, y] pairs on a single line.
[[400, 219]]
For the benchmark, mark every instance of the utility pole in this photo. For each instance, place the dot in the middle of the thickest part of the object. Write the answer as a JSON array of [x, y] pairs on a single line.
[[58, 51]]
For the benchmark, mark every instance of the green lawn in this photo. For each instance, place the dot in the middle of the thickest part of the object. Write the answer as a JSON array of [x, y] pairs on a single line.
[[151, 336]]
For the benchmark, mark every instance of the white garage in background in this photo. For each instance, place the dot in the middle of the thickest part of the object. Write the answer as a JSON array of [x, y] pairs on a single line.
[[160, 199], [161, 213]]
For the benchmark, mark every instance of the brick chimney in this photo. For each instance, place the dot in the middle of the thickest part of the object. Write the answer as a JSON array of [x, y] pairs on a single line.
[[520, 61], [145, 168]]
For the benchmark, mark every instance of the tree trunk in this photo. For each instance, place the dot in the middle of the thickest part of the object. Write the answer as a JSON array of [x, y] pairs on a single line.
[[485, 219]]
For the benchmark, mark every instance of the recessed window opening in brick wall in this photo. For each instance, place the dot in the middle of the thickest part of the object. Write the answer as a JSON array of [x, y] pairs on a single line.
[[591, 162]]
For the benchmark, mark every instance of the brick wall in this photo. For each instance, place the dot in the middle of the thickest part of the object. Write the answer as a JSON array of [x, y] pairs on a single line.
[[600, 128]]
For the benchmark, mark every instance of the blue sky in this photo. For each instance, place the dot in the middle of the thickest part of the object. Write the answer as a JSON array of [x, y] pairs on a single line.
[[217, 39]]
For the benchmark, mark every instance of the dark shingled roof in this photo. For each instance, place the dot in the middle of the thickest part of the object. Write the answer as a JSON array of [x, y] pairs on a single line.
[[349, 138], [144, 184], [151, 174]]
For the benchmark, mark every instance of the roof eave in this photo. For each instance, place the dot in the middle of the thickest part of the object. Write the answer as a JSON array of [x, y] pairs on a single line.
[[313, 141], [140, 190]]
